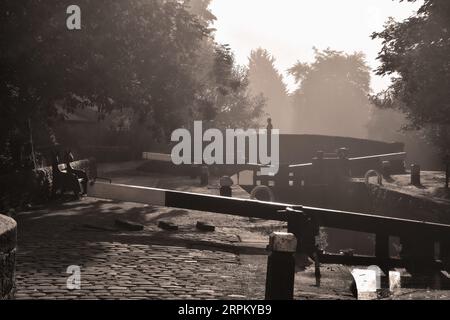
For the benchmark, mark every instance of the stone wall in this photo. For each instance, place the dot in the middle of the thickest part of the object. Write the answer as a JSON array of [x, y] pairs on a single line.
[[8, 240], [400, 205]]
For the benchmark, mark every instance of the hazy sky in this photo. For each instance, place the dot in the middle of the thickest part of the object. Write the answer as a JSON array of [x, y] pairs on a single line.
[[289, 29]]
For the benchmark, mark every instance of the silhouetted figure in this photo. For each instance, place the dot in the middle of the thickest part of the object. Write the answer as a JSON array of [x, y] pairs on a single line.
[[269, 133], [63, 181], [81, 175], [269, 126]]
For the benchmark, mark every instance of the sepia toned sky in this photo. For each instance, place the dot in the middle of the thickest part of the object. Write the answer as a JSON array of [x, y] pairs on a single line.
[[289, 29]]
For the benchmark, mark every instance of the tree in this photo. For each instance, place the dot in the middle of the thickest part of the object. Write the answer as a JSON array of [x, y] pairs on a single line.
[[265, 79], [137, 54], [332, 97], [200, 8], [225, 100], [386, 124], [237, 106], [156, 60], [416, 53]]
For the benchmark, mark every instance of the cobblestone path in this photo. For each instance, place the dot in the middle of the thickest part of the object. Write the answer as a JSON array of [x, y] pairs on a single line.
[[152, 264]]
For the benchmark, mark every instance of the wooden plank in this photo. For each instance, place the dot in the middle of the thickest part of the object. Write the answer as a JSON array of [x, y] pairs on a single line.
[[190, 201], [127, 193], [375, 224], [157, 157], [270, 211], [374, 261], [382, 157]]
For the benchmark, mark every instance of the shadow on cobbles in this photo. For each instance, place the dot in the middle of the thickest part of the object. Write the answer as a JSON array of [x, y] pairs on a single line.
[[60, 229]]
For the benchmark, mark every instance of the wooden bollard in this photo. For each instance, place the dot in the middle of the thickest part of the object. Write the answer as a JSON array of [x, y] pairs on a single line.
[[204, 176], [415, 175], [225, 187], [386, 169], [281, 267], [193, 172]]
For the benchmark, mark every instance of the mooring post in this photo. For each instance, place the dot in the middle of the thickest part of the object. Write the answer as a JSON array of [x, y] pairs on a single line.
[[415, 175], [386, 170], [226, 184], [383, 254], [204, 176], [281, 267], [194, 172]]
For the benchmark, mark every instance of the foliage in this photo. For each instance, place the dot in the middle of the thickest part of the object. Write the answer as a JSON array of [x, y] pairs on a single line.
[[332, 97], [225, 100], [416, 53], [142, 57], [266, 79], [200, 8]]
